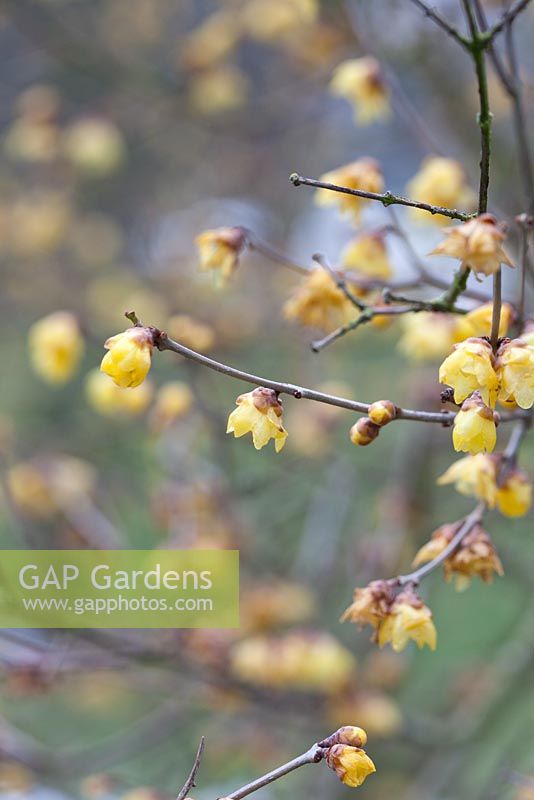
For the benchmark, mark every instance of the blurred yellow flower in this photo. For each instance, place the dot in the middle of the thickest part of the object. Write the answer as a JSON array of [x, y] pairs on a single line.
[[474, 427], [408, 618], [191, 332], [319, 303], [514, 495], [360, 81], [515, 370], [477, 244], [218, 89], [302, 660], [110, 400], [15, 778], [211, 41], [34, 141], [56, 347], [427, 336], [130, 356], [440, 182], [259, 412], [37, 224], [351, 764], [363, 174], [470, 367], [276, 603], [42, 487], [474, 476], [94, 146], [219, 251], [271, 20], [173, 401], [477, 323], [370, 604], [367, 254]]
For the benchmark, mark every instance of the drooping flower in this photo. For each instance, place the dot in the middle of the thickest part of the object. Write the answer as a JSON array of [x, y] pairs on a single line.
[[352, 765], [219, 250], [440, 182], [110, 400], [130, 356], [367, 254], [474, 476], [370, 604], [514, 494], [363, 174], [515, 370], [56, 347], [474, 557], [360, 81], [408, 618], [477, 244], [259, 412], [427, 335], [477, 323], [474, 427], [469, 368], [319, 302]]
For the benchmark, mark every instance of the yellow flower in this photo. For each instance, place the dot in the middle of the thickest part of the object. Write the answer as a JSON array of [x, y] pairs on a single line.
[[210, 42], [474, 476], [130, 356], [478, 322], [219, 250], [111, 400], [301, 660], [440, 182], [363, 174], [477, 244], [56, 347], [514, 495], [474, 427], [94, 146], [42, 487], [368, 255], [469, 368], [347, 734], [364, 432], [319, 303], [173, 401], [191, 332], [427, 336], [351, 764], [218, 89], [475, 557], [407, 619], [515, 370], [258, 412], [360, 81], [370, 605], [271, 20]]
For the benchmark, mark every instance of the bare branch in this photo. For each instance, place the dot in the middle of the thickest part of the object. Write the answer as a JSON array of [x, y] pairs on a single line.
[[311, 756], [507, 19], [436, 17], [190, 782]]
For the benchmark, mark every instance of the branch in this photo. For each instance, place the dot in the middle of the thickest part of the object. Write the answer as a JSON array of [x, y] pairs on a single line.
[[446, 418], [506, 19], [387, 198], [311, 756], [526, 224], [436, 17], [190, 782]]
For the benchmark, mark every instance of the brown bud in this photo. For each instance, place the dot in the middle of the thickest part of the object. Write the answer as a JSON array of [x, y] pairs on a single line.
[[364, 431], [347, 734]]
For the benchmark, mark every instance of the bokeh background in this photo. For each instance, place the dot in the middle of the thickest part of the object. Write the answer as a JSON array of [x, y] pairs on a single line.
[[128, 127]]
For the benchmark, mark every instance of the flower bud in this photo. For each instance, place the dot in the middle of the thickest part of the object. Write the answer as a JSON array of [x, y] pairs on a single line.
[[129, 358], [364, 432], [347, 734], [351, 764], [382, 412]]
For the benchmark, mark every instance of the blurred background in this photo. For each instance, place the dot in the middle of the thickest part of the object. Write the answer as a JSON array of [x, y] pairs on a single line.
[[127, 128]]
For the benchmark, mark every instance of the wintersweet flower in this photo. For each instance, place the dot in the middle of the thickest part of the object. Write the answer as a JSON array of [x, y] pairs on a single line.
[[352, 765], [382, 412], [259, 412], [475, 556], [191, 332], [360, 81], [110, 400], [515, 370], [363, 174], [130, 356], [319, 303], [347, 734], [477, 244], [478, 322], [475, 427], [56, 347], [364, 432], [173, 401], [469, 368], [514, 495], [368, 255], [408, 618], [370, 604], [474, 476], [272, 20], [428, 335], [219, 250], [440, 182]]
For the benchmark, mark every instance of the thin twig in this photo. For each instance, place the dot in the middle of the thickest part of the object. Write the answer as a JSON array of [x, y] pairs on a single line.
[[525, 224], [506, 19], [436, 17], [311, 756], [190, 782], [386, 198]]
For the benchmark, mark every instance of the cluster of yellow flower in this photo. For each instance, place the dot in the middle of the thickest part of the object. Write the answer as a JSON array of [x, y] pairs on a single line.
[[396, 618], [346, 757], [479, 377]]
